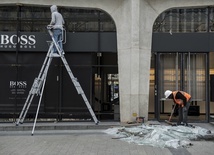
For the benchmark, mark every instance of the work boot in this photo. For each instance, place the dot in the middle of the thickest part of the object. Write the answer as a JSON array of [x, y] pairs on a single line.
[[186, 124], [182, 124]]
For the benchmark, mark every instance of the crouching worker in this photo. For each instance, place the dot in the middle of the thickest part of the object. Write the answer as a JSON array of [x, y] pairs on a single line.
[[182, 100]]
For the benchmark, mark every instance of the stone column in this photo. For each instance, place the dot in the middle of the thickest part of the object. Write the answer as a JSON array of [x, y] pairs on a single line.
[[134, 36], [148, 14], [128, 59]]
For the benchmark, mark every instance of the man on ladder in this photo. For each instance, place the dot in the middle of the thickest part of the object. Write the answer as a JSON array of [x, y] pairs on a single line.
[[56, 25]]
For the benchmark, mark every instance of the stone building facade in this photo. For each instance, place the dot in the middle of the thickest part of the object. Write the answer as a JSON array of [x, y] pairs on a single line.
[[134, 20]]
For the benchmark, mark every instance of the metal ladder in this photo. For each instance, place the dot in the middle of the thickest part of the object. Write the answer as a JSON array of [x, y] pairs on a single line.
[[39, 84]]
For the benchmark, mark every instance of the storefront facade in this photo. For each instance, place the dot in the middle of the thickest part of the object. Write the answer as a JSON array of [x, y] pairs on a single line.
[[182, 54], [133, 22], [90, 49]]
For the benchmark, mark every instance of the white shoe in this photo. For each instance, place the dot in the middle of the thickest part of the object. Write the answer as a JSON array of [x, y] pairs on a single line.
[[62, 52]]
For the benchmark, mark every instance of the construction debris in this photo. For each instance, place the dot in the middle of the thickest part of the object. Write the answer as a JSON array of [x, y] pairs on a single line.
[[140, 119], [161, 135]]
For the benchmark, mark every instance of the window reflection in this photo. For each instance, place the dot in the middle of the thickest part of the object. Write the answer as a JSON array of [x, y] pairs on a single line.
[[35, 19], [185, 20]]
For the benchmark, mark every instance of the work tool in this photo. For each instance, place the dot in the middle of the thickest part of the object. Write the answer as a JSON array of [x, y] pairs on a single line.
[[170, 117]]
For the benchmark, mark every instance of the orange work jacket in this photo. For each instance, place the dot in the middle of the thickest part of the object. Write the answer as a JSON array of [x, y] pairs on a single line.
[[178, 101]]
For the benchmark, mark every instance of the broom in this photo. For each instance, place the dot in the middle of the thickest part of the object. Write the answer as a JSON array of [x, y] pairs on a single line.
[[170, 117]]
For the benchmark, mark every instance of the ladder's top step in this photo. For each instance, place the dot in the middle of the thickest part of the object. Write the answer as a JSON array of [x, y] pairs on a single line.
[[55, 55]]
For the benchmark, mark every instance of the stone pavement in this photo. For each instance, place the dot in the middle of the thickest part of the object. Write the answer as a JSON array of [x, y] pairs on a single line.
[[87, 142]]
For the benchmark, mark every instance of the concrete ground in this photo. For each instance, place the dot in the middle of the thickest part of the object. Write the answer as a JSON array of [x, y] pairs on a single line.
[[87, 142]]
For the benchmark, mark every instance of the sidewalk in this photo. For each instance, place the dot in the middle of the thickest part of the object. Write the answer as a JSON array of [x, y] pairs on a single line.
[[87, 142], [56, 126]]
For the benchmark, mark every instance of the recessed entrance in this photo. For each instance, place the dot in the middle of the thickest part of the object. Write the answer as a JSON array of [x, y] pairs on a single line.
[[181, 71]]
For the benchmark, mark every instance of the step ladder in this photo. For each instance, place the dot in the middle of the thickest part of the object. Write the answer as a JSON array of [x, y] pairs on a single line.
[[39, 84]]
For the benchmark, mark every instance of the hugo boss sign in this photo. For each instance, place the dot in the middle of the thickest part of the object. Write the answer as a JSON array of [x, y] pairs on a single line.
[[25, 41], [14, 39]]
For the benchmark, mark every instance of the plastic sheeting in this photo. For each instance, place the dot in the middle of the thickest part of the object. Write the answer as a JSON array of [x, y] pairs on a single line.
[[160, 135]]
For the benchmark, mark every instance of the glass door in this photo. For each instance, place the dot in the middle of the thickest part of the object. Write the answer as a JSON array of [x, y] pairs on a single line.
[[182, 71]]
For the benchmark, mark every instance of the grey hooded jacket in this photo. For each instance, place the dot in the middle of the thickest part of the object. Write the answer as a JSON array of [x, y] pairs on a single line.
[[57, 20]]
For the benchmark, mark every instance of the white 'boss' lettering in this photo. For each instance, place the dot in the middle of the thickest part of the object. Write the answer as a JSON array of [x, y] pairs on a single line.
[[4, 39], [32, 40], [23, 39]]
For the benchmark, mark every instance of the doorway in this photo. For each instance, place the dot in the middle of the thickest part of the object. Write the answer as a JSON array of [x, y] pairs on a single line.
[[182, 71]]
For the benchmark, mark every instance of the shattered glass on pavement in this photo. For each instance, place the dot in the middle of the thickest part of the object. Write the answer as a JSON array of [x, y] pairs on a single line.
[[161, 135]]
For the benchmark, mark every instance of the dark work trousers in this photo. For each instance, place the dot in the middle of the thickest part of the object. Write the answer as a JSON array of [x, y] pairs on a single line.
[[183, 113]]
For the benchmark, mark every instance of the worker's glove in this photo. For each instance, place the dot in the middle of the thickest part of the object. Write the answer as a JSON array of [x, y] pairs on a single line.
[[180, 102]]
